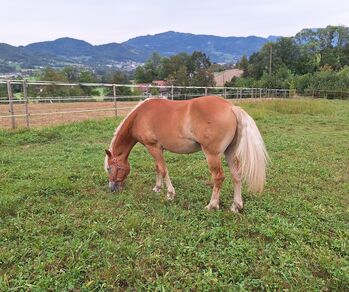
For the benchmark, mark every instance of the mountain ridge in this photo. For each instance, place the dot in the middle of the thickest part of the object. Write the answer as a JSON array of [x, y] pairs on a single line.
[[70, 51]]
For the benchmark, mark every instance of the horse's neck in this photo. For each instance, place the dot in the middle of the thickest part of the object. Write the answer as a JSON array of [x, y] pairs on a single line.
[[123, 142]]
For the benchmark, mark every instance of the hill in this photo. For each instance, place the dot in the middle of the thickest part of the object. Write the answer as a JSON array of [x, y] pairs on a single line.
[[69, 51], [219, 49]]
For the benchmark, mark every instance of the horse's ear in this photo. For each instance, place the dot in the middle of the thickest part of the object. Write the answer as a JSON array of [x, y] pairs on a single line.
[[108, 153]]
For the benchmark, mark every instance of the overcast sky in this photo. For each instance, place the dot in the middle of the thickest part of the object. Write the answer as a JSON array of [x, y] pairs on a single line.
[[106, 21]]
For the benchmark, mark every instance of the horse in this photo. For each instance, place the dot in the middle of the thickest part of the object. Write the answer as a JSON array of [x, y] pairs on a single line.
[[209, 123]]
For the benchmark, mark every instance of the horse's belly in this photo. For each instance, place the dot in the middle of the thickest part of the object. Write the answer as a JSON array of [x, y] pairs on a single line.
[[182, 147]]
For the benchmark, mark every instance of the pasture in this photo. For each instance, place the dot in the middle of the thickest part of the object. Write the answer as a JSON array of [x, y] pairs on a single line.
[[61, 228]]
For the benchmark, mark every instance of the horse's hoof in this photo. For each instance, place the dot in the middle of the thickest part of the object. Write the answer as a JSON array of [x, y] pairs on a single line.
[[170, 196], [235, 208], [157, 189], [212, 207]]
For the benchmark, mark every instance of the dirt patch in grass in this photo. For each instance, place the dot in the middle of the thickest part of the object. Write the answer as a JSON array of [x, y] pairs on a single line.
[[48, 114]]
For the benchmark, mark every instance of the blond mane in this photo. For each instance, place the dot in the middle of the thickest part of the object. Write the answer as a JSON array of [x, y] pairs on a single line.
[[117, 131]]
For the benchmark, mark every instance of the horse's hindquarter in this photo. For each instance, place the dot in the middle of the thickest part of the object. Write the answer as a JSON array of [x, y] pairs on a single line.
[[213, 122], [183, 126]]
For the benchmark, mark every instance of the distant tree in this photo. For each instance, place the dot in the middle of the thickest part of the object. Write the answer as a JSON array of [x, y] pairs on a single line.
[[71, 73], [181, 69], [155, 62], [118, 77], [144, 74], [150, 71], [203, 77], [177, 63], [243, 65], [88, 77], [3, 90], [313, 59], [179, 77], [326, 45], [197, 61], [154, 91], [50, 74], [259, 62]]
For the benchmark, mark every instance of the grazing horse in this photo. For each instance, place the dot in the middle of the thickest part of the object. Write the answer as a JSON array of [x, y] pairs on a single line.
[[208, 123]]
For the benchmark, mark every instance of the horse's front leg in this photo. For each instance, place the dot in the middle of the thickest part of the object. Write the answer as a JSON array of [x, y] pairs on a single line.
[[215, 166], [161, 172]]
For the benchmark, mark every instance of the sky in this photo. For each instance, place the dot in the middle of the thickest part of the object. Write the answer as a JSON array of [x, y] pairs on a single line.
[[105, 21]]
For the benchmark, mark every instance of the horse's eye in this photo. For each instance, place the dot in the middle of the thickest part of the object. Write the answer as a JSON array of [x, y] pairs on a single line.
[[109, 169]]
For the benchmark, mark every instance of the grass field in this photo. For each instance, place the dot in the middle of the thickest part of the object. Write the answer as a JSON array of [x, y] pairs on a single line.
[[61, 229]]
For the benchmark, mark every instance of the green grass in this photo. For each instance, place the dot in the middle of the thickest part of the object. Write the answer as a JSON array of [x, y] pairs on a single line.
[[61, 229]]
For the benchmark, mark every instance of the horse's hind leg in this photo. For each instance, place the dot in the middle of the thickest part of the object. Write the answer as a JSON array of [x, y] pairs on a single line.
[[234, 165], [161, 172], [215, 166], [159, 180]]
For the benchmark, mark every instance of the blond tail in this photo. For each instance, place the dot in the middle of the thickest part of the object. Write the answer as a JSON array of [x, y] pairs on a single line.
[[250, 151]]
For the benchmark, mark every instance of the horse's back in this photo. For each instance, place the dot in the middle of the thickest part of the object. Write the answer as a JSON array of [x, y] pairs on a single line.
[[204, 106], [185, 126]]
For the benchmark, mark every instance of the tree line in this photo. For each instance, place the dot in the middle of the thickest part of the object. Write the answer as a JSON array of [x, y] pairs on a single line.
[[181, 70], [314, 59]]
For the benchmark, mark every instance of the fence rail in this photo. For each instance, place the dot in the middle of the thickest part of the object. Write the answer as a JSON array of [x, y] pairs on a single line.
[[29, 93]]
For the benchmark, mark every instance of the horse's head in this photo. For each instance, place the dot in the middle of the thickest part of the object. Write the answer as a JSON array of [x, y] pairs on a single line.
[[117, 171]]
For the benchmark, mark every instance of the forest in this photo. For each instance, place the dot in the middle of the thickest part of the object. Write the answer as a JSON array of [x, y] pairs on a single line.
[[314, 59]]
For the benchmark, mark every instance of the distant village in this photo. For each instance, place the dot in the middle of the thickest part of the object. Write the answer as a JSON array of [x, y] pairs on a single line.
[[125, 66], [220, 78]]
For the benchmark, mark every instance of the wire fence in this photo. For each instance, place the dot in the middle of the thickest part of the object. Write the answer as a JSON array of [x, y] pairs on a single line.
[[329, 94], [26, 103]]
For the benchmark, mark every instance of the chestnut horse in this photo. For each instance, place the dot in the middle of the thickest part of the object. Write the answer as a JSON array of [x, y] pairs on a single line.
[[208, 123]]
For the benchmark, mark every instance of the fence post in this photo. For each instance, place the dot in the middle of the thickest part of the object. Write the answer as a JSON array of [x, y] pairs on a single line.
[[25, 95], [115, 102], [172, 92], [205, 91], [10, 102], [225, 92]]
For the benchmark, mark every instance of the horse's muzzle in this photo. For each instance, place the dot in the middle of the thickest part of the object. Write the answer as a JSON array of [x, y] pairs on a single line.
[[113, 186]]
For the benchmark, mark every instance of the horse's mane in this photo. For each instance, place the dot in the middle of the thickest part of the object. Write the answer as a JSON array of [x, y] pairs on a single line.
[[118, 129]]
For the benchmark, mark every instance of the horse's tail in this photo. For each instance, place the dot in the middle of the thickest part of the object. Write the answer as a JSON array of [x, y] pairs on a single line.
[[250, 150]]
